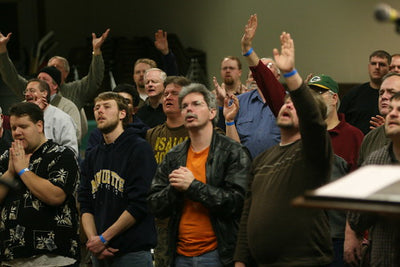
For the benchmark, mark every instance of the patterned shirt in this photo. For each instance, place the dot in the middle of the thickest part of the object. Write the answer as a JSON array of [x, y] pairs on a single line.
[[29, 226]]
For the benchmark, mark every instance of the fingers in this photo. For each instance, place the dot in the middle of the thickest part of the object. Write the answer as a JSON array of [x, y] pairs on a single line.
[[105, 34], [216, 85]]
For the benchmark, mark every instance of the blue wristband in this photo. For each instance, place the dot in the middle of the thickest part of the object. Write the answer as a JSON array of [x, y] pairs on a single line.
[[290, 74], [22, 171], [248, 53], [103, 240], [230, 123]]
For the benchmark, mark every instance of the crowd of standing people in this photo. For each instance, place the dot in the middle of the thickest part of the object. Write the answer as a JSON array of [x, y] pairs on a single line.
[[178, 174]]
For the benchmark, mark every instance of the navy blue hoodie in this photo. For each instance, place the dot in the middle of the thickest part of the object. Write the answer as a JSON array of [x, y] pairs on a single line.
[[117, 177]]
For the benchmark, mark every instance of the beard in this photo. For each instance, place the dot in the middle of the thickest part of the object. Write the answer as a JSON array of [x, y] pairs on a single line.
[[108, 128], [285, 125], [228, 81]]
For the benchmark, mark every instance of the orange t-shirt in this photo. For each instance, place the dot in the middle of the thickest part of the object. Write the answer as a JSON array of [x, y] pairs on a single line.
[[196, 235]]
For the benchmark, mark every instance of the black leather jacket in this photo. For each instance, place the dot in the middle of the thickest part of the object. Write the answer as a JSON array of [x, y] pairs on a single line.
[[227, 167]]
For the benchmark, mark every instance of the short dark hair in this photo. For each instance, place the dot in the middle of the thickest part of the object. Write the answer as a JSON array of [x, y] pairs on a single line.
[[43, 86], [121, 103], [178, 80], [233, 58], [29, 109], [129, 89], [381, 54]]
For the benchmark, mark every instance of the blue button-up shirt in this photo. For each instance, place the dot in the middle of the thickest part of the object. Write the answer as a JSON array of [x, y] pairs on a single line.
[[256, 124]]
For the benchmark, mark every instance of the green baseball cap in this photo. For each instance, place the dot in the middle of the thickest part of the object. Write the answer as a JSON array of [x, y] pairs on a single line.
[[324, 82]]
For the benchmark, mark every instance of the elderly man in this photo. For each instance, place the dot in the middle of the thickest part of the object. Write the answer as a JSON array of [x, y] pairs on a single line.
[[143, 64], [200, 185], [39, 224], [151, 113], [79, 92], [52, 76]]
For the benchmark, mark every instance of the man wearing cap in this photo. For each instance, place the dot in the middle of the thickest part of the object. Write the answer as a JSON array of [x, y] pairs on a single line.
[[346, 139], [79, 91], [346, 142], [52, 76]]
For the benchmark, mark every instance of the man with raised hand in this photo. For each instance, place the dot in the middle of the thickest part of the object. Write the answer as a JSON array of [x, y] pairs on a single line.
[[272, 231], [255, 121], [79, 92]]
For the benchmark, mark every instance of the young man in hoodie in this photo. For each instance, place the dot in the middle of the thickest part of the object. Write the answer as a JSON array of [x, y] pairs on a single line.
[[116, 176]]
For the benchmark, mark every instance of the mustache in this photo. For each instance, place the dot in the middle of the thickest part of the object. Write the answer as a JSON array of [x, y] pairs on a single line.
[[189, 114]]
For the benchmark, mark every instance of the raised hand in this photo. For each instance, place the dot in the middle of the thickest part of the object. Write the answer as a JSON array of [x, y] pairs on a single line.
[[41, 102], [161, 42], [220, 92], [231, 109], [285, 60], [376, 121], [98, 42], [249, 33], [3, 42]]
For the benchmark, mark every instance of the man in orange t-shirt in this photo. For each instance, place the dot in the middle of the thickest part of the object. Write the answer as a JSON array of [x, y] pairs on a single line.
[[201, 184]]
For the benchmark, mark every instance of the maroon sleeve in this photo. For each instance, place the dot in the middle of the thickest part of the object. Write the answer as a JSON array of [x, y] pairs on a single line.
[[272, 90]]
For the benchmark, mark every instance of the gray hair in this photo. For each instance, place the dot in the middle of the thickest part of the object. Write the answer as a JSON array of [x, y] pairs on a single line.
[[209, 97], [163, 75], [64, 61]]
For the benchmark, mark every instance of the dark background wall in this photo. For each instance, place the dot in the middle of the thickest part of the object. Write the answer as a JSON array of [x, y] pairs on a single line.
[[333, 37]]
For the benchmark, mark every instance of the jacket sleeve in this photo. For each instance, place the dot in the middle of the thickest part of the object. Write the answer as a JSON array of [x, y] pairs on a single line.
[[162, 197], [170, 65], [226, 198], [272, 90], [84, 89], [10, 76]]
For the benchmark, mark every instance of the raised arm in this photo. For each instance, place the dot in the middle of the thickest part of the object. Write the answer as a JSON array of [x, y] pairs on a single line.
[[285, 62], [247, 40], [169, 60], [268, 84], [8, 72], [84, 89]]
